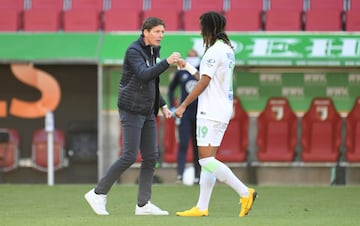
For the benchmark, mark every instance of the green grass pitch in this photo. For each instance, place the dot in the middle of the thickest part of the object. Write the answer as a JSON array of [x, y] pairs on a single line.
[[275, 206]]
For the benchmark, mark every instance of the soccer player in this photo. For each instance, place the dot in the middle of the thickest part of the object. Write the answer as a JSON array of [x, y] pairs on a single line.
[[214, 91]]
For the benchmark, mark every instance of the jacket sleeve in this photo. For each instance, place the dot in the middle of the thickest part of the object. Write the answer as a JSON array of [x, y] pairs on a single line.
[[162, 102], [142, 67]]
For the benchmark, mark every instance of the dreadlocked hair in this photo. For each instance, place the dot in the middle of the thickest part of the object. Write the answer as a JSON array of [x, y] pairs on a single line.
[[213, 28]]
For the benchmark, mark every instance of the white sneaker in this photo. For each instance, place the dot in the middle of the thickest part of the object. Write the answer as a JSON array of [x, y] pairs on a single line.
[[150, 209], [97, 202]]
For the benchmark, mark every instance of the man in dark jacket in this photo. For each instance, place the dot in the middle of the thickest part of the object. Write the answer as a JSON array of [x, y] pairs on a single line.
[[139, 102]]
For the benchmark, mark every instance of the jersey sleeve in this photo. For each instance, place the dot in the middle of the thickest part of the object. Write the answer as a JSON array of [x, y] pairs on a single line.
[[209, 63]]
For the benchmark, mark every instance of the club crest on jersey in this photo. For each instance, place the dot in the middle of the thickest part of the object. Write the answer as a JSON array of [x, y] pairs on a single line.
[[210, 62]]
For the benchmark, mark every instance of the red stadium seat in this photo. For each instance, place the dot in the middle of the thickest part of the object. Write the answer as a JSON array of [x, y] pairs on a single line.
[[198, 7], [47, 4], [168, 10], [83, 16], [191, 19], [244, 15], [123, 16], [243, 20], [122, 20], [171, 19], [284, 15], [9, 149], [42, 19], [12, 4], [234, 145], [88, 4], [323, 20], [9, 20], [327, 4], [354, 4], [43, 15], [177, 5], [324, 15], [321, 132], [293, 5], [216, 5], [40, 149], [81, 20], [246, 4], [277, 132], [353, 133], [352, 20], [133, 4], [171, 143], [11, 15], [283, 20]]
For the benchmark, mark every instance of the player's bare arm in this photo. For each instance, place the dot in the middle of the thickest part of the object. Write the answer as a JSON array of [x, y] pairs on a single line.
[[198, 89]]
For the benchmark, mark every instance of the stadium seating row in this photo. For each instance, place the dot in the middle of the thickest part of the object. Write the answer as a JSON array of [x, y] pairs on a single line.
[[242, 15], [79, 145], [9, 149], [321, 132], [277, 137]]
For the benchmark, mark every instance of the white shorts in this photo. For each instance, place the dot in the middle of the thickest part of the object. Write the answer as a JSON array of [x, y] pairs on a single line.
[[209, 132]]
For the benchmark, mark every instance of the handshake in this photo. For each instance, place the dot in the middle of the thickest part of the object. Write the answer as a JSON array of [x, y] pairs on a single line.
[[175, 58]]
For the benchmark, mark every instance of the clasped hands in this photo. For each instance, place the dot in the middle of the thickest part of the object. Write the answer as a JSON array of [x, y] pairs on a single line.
[[175, 58]]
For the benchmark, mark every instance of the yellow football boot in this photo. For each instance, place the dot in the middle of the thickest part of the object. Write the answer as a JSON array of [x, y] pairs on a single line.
[[193, 212], [247, 202]]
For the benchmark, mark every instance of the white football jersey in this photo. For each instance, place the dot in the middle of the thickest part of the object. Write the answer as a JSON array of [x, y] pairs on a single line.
[[216, 101]]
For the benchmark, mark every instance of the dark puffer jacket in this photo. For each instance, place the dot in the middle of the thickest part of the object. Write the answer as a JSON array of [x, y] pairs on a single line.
[[139, 85]]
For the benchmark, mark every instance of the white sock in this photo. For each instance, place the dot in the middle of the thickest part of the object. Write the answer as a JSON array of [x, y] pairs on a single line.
[[207, 183], [224, 174]]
